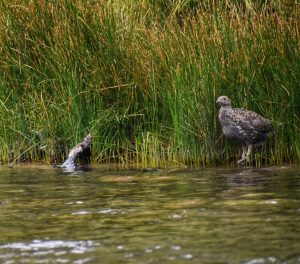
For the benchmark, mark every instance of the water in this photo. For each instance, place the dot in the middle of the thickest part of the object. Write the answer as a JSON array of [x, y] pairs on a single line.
[[105, 215]]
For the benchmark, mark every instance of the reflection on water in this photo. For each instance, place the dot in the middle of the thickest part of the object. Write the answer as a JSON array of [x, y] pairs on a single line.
[[106, 215], [47, 251]]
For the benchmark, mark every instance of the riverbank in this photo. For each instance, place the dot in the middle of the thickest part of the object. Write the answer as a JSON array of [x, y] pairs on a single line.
[[143, 77]]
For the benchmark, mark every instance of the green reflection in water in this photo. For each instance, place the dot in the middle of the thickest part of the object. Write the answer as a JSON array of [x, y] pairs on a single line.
[[170, 216]]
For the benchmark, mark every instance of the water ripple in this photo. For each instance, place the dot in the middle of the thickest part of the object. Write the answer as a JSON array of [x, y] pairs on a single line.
[[48, 247], [267, 260], [111, 211]]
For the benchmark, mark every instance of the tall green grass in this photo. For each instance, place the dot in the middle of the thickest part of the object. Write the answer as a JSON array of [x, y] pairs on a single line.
[[143, 77]]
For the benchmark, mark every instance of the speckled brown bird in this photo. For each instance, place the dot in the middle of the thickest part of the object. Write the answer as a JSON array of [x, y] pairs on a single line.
[[243, 126]]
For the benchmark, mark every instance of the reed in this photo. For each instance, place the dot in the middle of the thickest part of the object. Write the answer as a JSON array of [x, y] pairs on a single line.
[[143, 77]]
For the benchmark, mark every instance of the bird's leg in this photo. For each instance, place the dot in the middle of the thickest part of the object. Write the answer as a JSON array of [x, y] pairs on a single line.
[[244, 152], [239, 162], [249, 152]]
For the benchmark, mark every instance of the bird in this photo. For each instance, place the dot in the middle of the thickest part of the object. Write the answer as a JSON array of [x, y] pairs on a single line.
[[243, 126]]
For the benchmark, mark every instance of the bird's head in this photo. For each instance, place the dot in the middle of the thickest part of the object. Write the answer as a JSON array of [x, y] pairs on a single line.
[[224, 101]]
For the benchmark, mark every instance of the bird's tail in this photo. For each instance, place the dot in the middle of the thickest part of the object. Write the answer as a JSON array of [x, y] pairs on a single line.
[[275, 126]]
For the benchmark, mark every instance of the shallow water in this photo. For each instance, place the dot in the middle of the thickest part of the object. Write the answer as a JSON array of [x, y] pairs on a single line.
[[106, 215]]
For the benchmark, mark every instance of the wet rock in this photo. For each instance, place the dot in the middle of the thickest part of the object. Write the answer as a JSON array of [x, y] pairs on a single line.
[[81, 151]]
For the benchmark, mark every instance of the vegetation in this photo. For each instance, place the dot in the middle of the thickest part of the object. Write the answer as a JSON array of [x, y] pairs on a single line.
[[143, 77]]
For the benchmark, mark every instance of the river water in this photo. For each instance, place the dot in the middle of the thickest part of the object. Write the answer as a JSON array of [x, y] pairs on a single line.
[[109, 215]]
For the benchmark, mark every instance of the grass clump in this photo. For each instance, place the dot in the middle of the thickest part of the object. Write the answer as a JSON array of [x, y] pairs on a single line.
[[143, 77]]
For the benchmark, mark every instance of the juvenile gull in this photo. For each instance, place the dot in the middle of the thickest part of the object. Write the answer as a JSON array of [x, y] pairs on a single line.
[[243, 126]]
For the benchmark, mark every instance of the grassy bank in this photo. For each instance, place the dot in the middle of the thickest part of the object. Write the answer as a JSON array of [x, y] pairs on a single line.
[[143, 77]]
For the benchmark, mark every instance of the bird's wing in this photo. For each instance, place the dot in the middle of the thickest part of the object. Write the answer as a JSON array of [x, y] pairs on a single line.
[[246, 118]]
